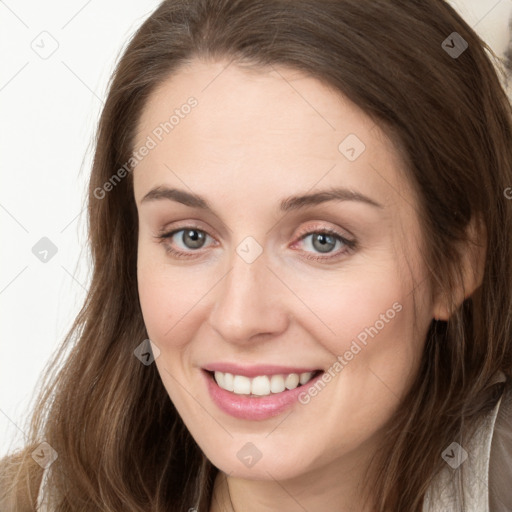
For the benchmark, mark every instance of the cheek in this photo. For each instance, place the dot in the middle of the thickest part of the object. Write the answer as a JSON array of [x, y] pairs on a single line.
[[365, 320], [340, 308], [170, 297], [371, 311], [375, 355], [163, 302], [158, 294]]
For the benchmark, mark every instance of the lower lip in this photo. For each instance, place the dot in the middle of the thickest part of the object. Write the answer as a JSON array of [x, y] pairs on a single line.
[[254, 408]]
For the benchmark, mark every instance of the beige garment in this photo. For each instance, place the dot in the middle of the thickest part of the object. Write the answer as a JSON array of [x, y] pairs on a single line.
[[487, 470], [41, 497], [500, 470], [487, 484]]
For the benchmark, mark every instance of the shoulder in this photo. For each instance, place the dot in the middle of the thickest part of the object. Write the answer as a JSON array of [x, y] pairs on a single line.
[[500, 462]]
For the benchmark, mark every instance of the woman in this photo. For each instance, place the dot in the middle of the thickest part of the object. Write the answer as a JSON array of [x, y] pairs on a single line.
[[305, 206]]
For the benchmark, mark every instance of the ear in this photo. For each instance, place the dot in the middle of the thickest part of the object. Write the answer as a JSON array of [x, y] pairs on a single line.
[[473, 253]]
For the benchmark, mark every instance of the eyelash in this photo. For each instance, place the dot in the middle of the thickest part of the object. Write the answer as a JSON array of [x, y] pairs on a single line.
[[350, 245]]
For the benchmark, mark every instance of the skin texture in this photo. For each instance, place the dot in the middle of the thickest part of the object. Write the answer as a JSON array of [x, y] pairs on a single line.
[[253, 140]]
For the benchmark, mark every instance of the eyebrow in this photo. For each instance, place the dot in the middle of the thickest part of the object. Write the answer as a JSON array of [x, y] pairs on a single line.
[[288, 204]]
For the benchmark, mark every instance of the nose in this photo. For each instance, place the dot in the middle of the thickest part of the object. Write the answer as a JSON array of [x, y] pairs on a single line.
[[249, 303]]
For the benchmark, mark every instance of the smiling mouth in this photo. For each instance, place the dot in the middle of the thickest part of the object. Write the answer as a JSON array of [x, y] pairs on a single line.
[[262, 385]]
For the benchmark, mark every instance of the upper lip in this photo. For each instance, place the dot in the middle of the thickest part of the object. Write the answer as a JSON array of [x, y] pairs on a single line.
[[256, 370]]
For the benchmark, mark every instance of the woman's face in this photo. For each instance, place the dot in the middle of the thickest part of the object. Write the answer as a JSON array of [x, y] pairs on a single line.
[[266, 284]]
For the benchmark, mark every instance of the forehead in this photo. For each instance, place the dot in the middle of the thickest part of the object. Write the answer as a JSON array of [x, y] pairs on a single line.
[[259, 130]]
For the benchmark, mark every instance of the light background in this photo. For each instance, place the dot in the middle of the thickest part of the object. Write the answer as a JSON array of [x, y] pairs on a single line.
[[49, 106]]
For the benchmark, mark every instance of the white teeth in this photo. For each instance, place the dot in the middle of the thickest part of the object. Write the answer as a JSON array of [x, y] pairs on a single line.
[[292, 381], [261, 385], [219, 377], [277, 384], [305, 377], [241, 385], [228, 381]]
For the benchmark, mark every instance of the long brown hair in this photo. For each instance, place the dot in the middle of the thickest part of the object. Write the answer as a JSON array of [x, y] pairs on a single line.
[[121, 443]]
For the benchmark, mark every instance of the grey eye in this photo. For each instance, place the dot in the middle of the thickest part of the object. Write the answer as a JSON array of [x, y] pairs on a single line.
[[323, 242], [193, 238]]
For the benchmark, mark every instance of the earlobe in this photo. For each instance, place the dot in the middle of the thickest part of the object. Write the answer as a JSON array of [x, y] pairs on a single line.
[[472, 259]]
